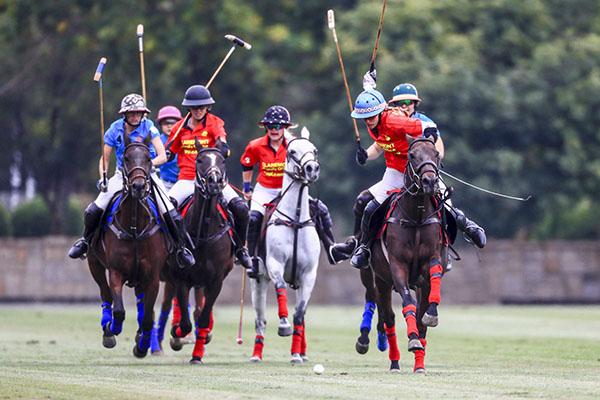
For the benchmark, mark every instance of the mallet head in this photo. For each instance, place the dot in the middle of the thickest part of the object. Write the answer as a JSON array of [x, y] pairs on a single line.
[[238, 41], [330, 19], [140, 30], [98, 74]]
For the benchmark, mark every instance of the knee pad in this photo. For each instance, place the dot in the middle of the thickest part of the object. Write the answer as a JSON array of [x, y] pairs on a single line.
[[361, 202], [255, 218]]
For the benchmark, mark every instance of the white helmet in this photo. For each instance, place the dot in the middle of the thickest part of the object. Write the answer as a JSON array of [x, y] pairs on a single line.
[[133, 102]]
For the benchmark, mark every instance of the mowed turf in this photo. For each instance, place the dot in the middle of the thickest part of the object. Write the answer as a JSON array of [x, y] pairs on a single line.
[[55, 352]]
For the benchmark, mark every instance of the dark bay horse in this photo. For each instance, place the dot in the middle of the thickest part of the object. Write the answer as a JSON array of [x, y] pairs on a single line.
[[209, 227], [409, 255], [133, 249]]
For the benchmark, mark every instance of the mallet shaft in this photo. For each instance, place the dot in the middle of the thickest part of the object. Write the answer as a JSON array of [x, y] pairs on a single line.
[[140, 35]]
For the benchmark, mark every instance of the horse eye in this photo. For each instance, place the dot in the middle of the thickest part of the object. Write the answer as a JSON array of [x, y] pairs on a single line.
[[126, 159], [292, 152]]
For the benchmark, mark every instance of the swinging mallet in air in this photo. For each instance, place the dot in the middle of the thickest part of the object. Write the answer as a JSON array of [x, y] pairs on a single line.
[[331, 24], [98, 78], [236, 42], [379, 28], [140, 36]]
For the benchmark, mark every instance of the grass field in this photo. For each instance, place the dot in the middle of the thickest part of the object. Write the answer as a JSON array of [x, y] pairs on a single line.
[[55, 352]]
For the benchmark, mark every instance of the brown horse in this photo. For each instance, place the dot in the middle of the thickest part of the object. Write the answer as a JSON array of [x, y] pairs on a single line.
[[209, 227], [133, 250], [409, 255]]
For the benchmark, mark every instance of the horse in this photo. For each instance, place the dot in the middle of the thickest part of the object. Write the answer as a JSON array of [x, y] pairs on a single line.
[[208, 223], [292, 250], [409, 254], [133, 249]]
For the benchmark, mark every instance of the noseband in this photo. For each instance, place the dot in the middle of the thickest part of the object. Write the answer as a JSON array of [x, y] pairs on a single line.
[[299, 174], [130, 174], [416, 173]]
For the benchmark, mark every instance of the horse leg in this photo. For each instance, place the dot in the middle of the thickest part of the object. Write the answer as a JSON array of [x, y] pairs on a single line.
[[409, 305], [206, 298], [165, 310], [139, 303], [303, 294], [99, 274], [200, 301], [419, 367], [115, 281], [362, 343], [259, 288], [185, 325], [435, 282], [151, 292], [285, 328], [384, 305]]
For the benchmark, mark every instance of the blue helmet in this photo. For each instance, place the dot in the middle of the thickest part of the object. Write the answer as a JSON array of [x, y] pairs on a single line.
[[368, 104], [197, 95], [405, 91]]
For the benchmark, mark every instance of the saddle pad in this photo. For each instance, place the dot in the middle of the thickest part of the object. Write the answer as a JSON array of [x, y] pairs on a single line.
[[115, 202]]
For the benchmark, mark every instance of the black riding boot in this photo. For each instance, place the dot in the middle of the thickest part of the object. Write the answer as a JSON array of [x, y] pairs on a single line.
[[323, 223], [347, 248], [179, 233], [254, 227], [362, 255], [239, 208], [91, 219], [474, 232]]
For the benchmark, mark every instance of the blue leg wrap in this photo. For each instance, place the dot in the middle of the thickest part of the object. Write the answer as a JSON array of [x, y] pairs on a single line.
[[106, 314], [140, 309], [367, 317], [162, 324], [116, 327], [382, 341], [154, 344], [144, 344]]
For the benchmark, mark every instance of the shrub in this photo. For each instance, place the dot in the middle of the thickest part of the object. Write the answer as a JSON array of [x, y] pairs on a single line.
[[4, 222], [73, 218], [31, 219]]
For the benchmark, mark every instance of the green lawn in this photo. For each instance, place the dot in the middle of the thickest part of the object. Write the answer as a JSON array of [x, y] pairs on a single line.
[[55, 352]]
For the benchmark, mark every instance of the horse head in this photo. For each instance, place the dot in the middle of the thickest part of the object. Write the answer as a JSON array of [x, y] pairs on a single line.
[[211, 176], [302, 162], [136, 167], [422, 170]]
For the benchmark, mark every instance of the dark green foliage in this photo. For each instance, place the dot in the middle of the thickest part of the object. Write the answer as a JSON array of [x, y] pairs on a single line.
[[31, 219], [73, 225], [4, 222]]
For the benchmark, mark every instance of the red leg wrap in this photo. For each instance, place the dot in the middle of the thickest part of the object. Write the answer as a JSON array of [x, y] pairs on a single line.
[[394, 351], [176, 312], [297, 339], [282, 302], [420, 356], [303, 344], [259, 343], [435, 280], [200, 342], [410, 312]]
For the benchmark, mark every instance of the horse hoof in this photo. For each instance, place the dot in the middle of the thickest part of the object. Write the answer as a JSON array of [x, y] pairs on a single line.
[[430, 320], [296, 359], [304, 357], [176, 344], [255, 359], [137, 336], [109, 341], [208, 338], [361, 348], [284, 330], [414, 345], [420, 371], [138, 353], [196, 361], [395, 366], [158, 353]]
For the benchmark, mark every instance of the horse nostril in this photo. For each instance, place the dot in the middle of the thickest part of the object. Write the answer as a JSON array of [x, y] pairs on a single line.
[[308, 169]]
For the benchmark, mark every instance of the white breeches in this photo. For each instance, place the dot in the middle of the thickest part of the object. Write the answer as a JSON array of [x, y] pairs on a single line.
[[261, 196], [392, 180], [185, 187], [115, 183]]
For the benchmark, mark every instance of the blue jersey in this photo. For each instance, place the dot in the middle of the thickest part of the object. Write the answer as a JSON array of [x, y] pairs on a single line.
[[114, 137], [169, 171], [424, 118]]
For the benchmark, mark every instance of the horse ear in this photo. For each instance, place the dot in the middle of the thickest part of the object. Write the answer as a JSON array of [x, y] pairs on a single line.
[[126, 139], [288, 135], [197, 143], [409, 139], [304, 133]]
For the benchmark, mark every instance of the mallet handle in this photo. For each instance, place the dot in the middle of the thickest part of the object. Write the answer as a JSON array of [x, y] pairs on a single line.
[[98, 78], [140, 36], [374, 55]]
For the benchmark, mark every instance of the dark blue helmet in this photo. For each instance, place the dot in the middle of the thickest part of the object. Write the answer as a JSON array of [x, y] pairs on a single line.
[[197, 95]]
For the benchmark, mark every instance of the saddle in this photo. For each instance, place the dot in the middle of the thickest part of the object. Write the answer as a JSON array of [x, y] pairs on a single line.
[[110, 223], [226, 215]]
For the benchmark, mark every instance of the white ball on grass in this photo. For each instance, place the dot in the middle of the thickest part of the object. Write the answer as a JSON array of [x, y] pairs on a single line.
[[318, 369]]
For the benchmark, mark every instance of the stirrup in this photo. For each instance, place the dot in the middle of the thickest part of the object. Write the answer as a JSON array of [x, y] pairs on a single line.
[[185, 258], [79, 249], [361, 257]]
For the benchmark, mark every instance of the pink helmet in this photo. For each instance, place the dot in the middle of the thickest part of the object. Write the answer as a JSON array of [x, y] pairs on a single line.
[[168, 112]]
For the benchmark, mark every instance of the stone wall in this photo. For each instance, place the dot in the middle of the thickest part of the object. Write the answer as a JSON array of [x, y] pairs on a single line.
[[504, 272]]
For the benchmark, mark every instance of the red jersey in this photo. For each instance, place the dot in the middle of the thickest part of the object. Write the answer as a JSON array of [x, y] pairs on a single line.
[[207, 131], [270, 162], [391, 137]]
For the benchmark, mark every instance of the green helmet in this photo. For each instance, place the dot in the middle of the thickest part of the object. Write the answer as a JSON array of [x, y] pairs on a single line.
[[405, 91]]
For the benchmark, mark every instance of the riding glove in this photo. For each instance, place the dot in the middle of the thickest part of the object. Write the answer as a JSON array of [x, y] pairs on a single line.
[[361, 155], [369, 79]]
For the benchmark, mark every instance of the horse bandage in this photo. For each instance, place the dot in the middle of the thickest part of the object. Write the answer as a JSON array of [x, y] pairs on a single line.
[[435, 281]]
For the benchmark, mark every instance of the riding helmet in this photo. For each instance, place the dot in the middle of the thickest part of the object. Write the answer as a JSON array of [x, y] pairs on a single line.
[[168, 112], [197, 95], [276, 115], [405, 91], [368, 104], [133, 102]]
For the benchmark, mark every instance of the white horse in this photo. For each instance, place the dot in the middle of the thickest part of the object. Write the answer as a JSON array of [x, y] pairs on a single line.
[[292, 249]]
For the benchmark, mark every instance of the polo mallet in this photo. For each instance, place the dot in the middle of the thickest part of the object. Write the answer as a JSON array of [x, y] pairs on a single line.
[[374, 55], [331, 25], [140, 36], [239, 339], [98, 78], [236, 42]]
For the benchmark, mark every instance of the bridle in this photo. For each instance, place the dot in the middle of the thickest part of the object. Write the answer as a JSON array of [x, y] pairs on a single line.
[[414, 175], [129, 175], [205, 187], [299, 170]]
